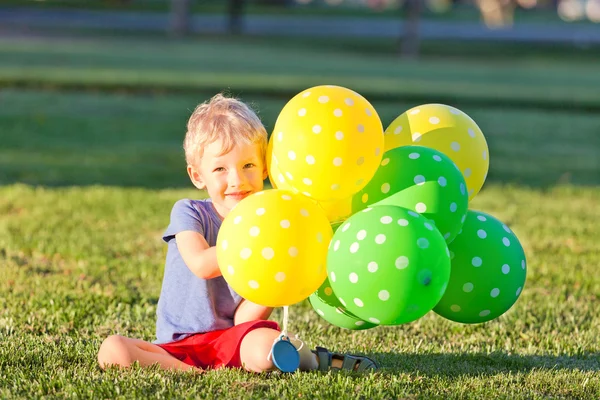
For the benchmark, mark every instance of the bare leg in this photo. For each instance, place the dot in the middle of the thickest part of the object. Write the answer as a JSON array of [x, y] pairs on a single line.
[[122, 351]]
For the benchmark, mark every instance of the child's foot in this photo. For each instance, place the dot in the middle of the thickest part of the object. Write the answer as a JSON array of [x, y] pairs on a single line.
[[336, 361]]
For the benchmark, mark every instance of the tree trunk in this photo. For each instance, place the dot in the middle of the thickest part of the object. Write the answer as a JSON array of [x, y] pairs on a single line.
[[236, 12], [180, 17], [411, 41]]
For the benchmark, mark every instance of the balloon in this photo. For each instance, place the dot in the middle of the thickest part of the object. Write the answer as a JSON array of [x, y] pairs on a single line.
[[388, 265], [420, 179], [448, 130], [327, 143], [327, 305], [272, 247], [336, 210], [488, 271]]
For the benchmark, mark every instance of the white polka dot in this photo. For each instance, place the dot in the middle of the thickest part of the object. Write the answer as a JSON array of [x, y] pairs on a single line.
[[413, 214], [354, 247], [434, 120], [372, 266], [316, 129], [383, 295], [476, 261], [437, 158], [361, 234], [462, 220], [253, 284], [353, 277], [349, 102], [291, 155], [481, 218], [280, 277], [346, 226], [245, 253], [230, 269], [467, 172], [506, 241], [321, 313], [386, 220], [323, 99], [453, 207], [518, 291], [337, 161], [310, 159], [416, 137], [385, 188], [336, 245], [367, 209], [224, 244], [306, 94], [455, 146], [373, 320], [359, 181], [495, 292], [471, 192], [523, 264], [505, 269], [402, 222], [471, 132], [398, 130], [462, 189], [484, 155], [339, 135], [237, 219], [332, 276], [380, 239], [455, 307], [360, 161], [280, 136], [293, 252], [368, 112], [290, 177], [419, 180], [302, 112], [359, 323], [339, 310], [385, 162], [319, 237], [337, 112], [421, 207], [468, 287], [402, 262], [482, 234], [428, 226], [414, 156], [484, 313], [442, 181], [447, 235], [285, 197], [342, 301], [358, 302], [328, 291], [254, 231], [415, 111], [281, 178], [360, 128], [306, 181], [423, 243], [268, 253]]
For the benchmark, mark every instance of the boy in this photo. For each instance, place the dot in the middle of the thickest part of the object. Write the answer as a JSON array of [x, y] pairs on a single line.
[[201, 322]]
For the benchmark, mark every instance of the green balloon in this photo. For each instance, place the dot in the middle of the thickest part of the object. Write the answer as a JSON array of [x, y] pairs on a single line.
[[388, 265], [327, 305], [423, 180], [488, 271]]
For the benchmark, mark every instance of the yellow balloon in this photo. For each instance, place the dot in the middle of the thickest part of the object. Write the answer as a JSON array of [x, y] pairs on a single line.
[[327, 143], [336, 210], [446, 129], [272, 247]]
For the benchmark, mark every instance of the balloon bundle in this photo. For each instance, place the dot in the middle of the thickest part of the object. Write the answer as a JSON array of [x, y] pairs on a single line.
[[405, 241]]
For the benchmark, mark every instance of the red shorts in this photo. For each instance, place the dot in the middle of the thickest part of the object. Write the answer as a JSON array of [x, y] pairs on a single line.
[[215, 349]]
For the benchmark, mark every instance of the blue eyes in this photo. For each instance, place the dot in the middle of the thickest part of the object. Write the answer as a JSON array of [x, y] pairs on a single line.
[[221, 169]]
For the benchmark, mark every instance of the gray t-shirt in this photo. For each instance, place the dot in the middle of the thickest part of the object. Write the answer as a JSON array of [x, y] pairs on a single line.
[[188, 304]]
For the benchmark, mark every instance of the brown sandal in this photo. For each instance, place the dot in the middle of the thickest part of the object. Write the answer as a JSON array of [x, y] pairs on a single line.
[[350, 362]]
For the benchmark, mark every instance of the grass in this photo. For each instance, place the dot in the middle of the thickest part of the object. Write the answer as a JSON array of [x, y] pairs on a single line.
[[88, 182], [283, 68]]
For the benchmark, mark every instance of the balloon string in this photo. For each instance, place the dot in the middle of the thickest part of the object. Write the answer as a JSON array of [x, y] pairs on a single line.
[[285, 320]]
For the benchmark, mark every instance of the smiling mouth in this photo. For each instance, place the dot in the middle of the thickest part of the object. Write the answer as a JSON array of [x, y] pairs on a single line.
[[238, 194]]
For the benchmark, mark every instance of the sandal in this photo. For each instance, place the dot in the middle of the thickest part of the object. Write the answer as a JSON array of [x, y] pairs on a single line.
[[350, 362]]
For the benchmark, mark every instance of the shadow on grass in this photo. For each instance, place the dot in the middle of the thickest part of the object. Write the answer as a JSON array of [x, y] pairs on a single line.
[[477, 364]]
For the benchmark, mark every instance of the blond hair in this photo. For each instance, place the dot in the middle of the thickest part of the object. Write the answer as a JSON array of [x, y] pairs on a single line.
[[225, 118]]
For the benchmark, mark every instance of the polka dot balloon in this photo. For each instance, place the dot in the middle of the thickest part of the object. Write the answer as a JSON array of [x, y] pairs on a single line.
[[327, 143], [327, 305], [386, 266], [272, 247], [448, 130], [423, 180], [488, 271]]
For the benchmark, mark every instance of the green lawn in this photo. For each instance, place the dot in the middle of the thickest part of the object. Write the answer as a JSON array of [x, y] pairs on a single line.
[[81, 262]]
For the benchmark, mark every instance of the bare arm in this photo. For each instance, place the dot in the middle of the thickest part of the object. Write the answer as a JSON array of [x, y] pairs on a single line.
[[199, 257], [248, 311]]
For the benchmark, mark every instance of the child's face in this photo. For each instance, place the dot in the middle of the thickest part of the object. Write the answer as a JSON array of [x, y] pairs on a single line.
[[229, 177]]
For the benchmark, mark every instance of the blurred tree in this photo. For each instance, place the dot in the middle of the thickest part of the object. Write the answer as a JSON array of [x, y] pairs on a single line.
[[236, 13], [180, 19], [411, 40]]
